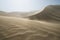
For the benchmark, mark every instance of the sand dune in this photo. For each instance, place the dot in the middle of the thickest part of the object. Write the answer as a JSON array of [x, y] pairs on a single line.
[[13, 28], [51, 12], [43, 25]]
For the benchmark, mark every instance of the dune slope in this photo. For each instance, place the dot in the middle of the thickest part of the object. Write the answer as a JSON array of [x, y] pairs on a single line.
[[12, 28], [51, 12]]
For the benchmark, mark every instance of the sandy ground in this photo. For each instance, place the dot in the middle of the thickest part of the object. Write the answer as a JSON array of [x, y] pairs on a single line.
[[12, 28]]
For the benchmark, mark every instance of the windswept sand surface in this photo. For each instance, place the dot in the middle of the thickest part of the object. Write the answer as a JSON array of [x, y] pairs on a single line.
[[43, 25], [12, 28]]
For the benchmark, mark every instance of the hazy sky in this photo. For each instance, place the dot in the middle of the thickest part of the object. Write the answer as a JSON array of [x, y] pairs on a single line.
[[25, 5]]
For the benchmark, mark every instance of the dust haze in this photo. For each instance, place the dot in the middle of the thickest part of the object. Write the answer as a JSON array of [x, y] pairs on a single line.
[[35, 25]]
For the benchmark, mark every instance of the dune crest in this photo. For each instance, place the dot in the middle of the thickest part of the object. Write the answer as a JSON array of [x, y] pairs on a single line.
[[50, 13]]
